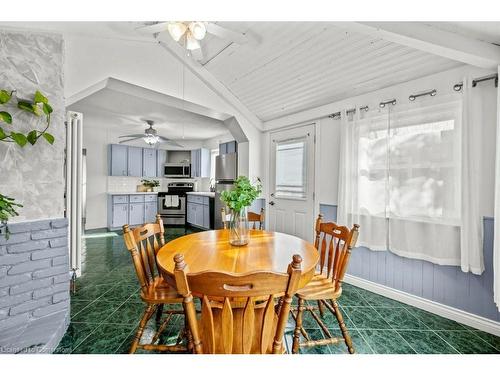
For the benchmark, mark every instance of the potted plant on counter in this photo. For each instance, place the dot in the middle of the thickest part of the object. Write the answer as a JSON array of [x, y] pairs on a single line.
[[238, 199], [151, 185]]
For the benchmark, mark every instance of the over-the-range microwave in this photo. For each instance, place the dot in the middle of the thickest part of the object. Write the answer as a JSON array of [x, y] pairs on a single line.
[[177, 170]]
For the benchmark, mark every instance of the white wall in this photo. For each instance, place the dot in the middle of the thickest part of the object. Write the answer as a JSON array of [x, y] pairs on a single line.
[[328, 141]]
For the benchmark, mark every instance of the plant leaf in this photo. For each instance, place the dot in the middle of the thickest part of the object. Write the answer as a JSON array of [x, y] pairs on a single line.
[[26, 106], [40, 98], [47, 109], [48, 137], [5, 117], [4, 96], [19, 138], [32, 138], [2, 134]]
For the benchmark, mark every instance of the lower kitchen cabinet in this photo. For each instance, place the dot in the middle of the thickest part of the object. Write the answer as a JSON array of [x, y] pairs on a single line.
[[150, 211], [133, 209], [199, 211], [119, 215], [136, 214]]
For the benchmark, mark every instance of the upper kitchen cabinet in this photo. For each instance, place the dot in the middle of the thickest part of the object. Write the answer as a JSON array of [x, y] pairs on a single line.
[[200, 163], [149, 165], [135, 161], [161, 159], [118, 160], [228, 147]]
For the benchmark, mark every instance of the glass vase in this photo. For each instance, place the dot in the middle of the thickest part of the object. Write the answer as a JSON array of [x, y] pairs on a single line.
[[238, 227]]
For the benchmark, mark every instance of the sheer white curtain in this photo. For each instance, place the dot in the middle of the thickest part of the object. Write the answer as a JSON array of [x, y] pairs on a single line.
[[403, 168]]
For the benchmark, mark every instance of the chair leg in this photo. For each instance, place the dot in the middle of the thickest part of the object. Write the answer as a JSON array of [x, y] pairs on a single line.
[[159, 312], [343, 328], [189, 336], [321, 308], [148, 313], [298, 326]]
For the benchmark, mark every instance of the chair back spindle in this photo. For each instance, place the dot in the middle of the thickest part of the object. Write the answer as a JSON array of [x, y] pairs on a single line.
[[334, 242], [238, 312], [144, 242]]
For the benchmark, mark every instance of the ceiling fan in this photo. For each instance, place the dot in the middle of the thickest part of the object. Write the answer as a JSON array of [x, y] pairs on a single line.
[[190, 33], [150, 136]]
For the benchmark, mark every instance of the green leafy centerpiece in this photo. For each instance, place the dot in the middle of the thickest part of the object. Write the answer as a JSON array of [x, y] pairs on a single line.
[[238, 199]]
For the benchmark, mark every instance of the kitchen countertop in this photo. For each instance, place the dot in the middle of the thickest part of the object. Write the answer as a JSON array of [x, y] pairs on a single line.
[[210, 194], [132, 193]]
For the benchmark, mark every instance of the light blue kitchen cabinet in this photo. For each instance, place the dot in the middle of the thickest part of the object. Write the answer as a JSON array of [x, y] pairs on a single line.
[[228, 147], [136, 214], [200, 163], [149, 165], [150, 211], [134, 161], [191, 213], [161, 159], [119, 215], [231, 147], [198, 211], [222, 148], [118, 160], [206, 216]]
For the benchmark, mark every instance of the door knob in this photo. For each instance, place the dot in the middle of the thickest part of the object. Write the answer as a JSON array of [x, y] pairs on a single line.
[[271, 203]]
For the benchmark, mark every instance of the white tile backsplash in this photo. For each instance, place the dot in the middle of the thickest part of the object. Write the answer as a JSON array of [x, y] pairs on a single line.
[[129, 184]]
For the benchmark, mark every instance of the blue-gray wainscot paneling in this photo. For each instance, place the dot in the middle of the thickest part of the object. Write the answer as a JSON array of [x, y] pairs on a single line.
[[444, 284]]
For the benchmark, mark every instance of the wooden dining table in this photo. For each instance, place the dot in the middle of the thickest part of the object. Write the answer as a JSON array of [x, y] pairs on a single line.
[[211, 251]]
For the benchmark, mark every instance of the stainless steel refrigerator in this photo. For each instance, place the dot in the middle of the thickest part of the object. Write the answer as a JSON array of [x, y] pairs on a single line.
[[226, 173]]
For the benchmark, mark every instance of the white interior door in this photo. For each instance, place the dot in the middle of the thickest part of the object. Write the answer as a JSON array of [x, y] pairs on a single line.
[[291, 202]]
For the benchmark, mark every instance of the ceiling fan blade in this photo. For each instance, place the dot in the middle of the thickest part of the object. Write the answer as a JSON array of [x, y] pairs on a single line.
[[166, 140], [224, 33], [131, 139], [153, 29], [132, 135]]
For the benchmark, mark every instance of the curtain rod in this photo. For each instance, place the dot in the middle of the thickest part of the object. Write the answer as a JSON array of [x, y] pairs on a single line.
[[433, 92]]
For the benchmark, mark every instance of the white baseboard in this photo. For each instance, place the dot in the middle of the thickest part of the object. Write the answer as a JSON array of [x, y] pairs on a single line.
[[476, 321]]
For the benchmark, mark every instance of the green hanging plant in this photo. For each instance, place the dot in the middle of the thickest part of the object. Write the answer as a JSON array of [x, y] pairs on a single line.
[[39, 107], [8, 208]]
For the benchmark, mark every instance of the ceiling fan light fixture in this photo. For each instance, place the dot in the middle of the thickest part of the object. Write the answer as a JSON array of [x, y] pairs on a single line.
[[151, 139], [176, 30], [198, 30], [191, 42]]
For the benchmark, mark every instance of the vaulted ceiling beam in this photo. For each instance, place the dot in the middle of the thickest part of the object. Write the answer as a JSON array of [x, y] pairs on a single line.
[[213, 83], [433, 40]]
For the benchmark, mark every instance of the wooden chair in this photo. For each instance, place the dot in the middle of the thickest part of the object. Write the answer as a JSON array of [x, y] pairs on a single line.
[[143, 243], [252, 218], [238, 313], [256, 218], [334, 243]]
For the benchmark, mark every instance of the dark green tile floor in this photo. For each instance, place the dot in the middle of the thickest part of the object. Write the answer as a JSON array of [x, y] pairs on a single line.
[[106, 308]]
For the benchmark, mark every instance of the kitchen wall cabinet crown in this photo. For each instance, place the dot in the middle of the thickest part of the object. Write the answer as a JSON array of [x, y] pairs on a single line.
[[135, 161], [200, 163]]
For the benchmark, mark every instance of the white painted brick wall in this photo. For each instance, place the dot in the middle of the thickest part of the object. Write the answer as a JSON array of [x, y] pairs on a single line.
[[34, 283]]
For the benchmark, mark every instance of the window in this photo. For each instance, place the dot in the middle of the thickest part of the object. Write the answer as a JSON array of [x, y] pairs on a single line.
[[401, 179], [409, 164], [291, 169]]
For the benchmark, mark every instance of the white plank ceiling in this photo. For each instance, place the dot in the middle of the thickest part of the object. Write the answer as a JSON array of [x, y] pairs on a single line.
[[299, 65]]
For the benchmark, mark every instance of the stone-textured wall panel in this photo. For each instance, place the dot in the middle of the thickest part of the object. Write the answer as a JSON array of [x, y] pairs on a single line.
[[33, 174]]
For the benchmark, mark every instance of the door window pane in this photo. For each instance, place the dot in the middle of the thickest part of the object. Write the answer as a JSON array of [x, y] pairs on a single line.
[[291, 169]]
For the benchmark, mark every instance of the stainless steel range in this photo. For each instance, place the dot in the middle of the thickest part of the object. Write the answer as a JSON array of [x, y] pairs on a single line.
[[172, 204]]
